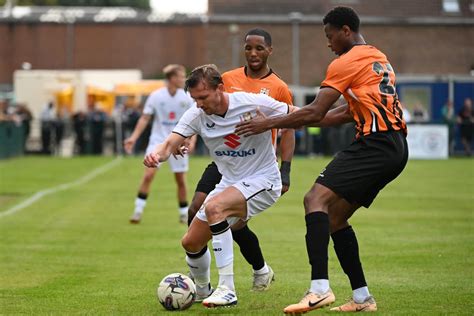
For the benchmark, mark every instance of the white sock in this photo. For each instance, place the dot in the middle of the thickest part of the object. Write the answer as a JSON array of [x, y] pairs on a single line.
[[223, 246], [200, 268], [226, 276], [361, 294], [320, 286], [139, 205], [263, 270], [183, 210]]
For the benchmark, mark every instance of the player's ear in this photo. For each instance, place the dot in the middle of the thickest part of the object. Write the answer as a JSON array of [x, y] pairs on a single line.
[[220, 87], [270, 50], [347, 30]]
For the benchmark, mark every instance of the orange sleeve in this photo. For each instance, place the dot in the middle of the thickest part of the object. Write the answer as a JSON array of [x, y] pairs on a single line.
[[339, 75], [226, 81], [285, 95]]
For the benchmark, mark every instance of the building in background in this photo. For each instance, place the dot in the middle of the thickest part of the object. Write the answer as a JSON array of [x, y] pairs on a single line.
[[421, 37], [429, 42]]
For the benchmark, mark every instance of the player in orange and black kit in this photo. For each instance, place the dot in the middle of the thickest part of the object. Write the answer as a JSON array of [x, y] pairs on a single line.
[[255, 77], [355, 176]]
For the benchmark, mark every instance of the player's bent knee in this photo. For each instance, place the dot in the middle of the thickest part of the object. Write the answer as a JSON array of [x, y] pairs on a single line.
[[190, 244], [315, 202], [311, 203]]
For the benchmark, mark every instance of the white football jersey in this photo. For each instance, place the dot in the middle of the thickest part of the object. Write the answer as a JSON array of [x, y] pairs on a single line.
[[167, 111], [236, 157]]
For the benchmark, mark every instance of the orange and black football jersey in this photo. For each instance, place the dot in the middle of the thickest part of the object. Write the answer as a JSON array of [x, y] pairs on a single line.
[[367, 80], [271, 85]]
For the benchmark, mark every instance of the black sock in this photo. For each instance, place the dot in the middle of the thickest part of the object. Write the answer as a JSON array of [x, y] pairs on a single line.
[[347, 251], [183, 204], [317, 240], [249, 247], [142, 195]]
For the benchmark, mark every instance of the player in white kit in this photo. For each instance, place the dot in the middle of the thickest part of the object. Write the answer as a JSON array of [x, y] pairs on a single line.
[[167, 105], [250, 182]]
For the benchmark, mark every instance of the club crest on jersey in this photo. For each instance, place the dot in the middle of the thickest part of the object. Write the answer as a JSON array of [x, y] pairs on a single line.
[[265, 91], [246, 116]]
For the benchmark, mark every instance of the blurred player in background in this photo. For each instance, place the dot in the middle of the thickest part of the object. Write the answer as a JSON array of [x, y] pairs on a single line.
[[167, 105], [250, 183], [355, 176], [255, 77]]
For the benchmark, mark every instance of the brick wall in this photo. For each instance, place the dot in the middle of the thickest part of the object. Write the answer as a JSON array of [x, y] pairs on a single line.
[[148, 47], [422, 49], [386, 8]]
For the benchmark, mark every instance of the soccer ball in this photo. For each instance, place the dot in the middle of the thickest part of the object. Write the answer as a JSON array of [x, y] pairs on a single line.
[[176, 292]]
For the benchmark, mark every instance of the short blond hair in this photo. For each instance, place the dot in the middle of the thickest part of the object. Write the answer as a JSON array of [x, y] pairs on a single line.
[[172, 69]]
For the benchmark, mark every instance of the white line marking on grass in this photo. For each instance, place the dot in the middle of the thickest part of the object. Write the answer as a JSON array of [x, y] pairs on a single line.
[[40, 194]]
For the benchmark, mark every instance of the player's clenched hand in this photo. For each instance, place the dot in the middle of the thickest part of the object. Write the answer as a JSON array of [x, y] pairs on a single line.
[[152, 160], [189, 143], [256, 125], [181, 151], [128, 145], [284, 189]]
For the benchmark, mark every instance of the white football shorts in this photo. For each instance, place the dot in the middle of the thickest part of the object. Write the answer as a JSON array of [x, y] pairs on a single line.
[[261, 192]]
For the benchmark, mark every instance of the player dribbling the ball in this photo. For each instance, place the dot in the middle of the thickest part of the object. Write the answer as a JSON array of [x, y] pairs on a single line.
[[250, 182]]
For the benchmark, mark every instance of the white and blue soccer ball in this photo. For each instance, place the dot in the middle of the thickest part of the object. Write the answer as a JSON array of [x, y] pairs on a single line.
[[176, 292]]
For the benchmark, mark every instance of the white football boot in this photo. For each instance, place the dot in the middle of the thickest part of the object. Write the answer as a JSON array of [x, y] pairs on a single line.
[[222, 297]]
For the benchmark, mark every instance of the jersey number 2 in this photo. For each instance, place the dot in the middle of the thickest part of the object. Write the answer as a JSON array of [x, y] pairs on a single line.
[[385, 86]]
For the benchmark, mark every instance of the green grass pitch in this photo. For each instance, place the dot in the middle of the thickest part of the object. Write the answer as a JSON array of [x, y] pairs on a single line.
[[74, 252]]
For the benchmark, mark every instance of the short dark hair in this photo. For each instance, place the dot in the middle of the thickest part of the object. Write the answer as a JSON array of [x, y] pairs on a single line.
[[340, 16], [267, 38], [207, 73]]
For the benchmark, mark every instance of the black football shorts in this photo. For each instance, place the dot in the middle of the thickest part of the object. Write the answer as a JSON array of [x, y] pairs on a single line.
[[209, 179], [360, 171]]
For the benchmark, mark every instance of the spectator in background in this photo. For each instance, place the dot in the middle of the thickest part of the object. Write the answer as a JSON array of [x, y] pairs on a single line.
[[47, 124], [420, 114], [24, 118], [59, 126], [4, 116], [79, 121], [406, 115], [96, 122], [449, 118], [466, 122]]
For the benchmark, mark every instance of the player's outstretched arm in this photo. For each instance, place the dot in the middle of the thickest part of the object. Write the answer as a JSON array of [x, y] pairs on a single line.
[[337, 116], [312, 113], [163, 151], [137, 131], [187, 147]]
